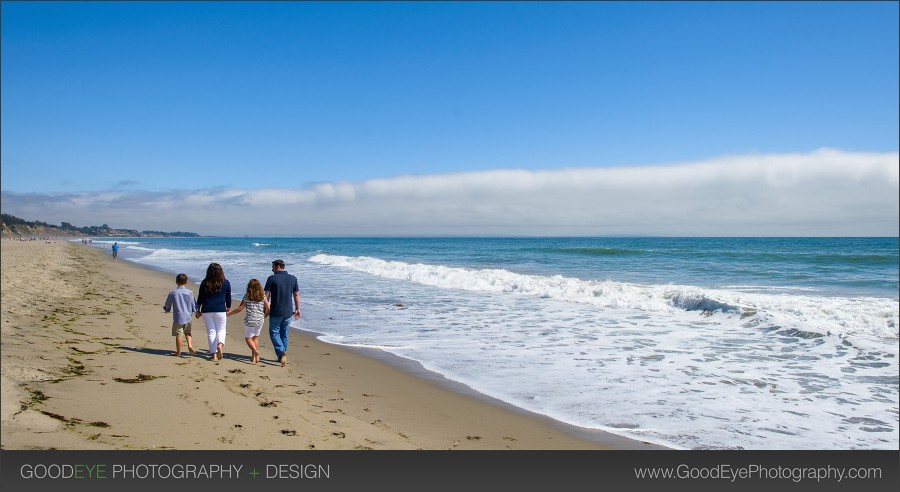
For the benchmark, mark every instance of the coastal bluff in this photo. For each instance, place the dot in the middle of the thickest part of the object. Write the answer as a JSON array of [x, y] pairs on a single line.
[[14, 228]]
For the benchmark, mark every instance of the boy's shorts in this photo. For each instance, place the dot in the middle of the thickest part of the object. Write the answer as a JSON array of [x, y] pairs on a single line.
[[183, 330]]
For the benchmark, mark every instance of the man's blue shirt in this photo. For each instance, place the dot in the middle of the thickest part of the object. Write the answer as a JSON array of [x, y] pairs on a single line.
[[282, 286]]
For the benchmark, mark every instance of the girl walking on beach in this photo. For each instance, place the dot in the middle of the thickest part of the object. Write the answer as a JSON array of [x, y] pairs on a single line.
[[257, 309], [213, 304]]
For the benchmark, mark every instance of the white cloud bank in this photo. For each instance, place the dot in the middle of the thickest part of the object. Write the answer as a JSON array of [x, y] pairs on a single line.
[[823, 193]]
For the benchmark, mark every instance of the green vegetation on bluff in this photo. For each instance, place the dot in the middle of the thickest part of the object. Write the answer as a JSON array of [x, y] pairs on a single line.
[[15, 227]]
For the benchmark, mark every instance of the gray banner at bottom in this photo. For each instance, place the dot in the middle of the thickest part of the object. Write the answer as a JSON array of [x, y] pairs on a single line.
[[398, 471]]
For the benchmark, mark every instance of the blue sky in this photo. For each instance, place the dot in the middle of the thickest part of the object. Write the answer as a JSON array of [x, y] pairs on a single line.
[[137, 102]]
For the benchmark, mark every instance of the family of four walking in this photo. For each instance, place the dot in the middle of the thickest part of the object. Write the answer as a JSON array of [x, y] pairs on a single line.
[[279, 300]]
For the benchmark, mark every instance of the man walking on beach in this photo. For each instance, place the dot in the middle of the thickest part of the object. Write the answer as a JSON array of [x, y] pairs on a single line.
[[283, 293], [115, 248]]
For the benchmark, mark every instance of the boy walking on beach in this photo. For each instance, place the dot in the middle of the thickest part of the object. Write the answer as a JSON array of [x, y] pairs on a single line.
[[183, 301]]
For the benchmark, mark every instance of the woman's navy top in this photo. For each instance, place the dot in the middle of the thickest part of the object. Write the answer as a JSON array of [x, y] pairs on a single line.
[[215, 302]]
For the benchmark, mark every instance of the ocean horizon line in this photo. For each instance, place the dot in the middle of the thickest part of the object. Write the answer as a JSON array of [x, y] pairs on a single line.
[[488, 236]]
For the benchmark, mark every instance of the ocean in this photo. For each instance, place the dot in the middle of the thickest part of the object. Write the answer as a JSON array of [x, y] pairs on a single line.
[[691, 343]]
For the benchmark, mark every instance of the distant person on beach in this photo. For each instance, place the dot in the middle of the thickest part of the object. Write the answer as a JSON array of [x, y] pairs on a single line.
[[257, 309], [213, 304], [182, 299], [281, 287], [115, 248]]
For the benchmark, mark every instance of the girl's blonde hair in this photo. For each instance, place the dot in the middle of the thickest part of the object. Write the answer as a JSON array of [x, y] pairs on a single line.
[[255, 291]]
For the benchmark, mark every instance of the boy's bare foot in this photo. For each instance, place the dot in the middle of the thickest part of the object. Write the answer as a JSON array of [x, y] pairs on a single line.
[[175, 354], [191, 350], [283, 360]]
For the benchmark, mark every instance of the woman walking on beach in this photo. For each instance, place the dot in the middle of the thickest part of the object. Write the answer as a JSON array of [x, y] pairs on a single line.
[[257, 309], [213, 304]]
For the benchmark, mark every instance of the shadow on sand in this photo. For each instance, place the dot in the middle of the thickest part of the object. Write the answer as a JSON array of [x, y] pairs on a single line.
[[201, 354]]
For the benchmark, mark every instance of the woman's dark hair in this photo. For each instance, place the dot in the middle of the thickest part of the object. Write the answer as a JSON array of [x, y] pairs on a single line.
[[215, 277]]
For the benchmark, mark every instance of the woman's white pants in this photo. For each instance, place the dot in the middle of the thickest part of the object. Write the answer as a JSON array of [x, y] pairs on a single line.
[[215, 329]]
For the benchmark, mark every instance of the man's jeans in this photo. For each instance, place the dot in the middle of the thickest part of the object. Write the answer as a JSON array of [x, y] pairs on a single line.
[[278, 331]]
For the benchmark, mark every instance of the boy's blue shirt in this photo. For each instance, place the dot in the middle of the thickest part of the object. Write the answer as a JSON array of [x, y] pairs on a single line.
[[183, 301]]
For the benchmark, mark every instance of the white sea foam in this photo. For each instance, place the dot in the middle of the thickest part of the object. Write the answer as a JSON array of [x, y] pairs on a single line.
[[140, 248], [674, 365], [675, 378], [207, 255], [827, 315]]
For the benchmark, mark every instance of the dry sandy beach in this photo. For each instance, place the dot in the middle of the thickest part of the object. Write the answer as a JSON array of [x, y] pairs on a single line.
[[86, 365]]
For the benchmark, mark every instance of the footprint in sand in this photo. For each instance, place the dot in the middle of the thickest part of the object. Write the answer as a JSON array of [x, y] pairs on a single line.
[[289, 432], [339, 434], [218, 414]]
